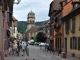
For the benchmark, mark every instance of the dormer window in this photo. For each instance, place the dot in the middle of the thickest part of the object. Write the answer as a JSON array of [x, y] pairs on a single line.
[[67, 25], [75, 3]]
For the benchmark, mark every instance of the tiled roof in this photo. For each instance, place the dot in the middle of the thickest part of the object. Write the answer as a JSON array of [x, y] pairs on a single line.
[[14, 19], [44, 24], [33, 29]]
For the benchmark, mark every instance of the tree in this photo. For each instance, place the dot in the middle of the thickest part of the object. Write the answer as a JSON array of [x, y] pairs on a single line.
[[35, 39], [41, 37]]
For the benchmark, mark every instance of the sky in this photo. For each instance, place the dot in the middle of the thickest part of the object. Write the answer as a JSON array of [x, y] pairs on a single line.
[[39, 7]]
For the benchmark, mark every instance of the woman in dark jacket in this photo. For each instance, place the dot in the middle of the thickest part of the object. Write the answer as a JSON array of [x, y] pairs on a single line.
[[18, 48]]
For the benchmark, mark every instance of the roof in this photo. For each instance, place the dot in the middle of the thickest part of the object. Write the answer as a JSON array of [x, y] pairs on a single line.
[[44, 24], [73, 13], [14, 19], [54, 5], [33, 29], [31, 13]]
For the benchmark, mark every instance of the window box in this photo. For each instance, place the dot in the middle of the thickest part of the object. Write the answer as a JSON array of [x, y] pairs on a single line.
[[59, 24], [67, 32], [73, 31], [73, 55]]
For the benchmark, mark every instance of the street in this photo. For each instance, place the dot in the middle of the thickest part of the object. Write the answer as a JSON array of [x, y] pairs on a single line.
[[37, 54]]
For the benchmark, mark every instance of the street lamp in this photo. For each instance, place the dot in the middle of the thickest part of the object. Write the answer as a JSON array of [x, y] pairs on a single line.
[[18, 1]]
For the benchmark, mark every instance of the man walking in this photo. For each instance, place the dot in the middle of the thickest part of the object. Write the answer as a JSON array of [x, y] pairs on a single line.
[[27, 49], [18, 48]]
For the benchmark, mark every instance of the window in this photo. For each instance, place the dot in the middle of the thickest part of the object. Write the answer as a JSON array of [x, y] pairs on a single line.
[[67, 25], [52, 19], [56, 19], [73, 23], [59, 18], [30, 21], [73, 43], [70, 43], [51, 31], [33, 22]]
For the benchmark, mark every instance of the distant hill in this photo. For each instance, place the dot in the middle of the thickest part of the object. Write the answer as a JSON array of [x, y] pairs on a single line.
[[22, 25]]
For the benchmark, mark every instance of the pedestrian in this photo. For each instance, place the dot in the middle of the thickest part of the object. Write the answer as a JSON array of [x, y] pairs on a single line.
[[23, 47], [18, 48], [27, 49], [14, 48], [10, 47]]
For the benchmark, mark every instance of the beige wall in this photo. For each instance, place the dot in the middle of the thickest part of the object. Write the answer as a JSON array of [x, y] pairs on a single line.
[[76, 34], [30, 25]]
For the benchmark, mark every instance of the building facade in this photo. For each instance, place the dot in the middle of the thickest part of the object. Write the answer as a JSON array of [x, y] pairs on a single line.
[[13, 28], [55, 24], [31, 28], [71, 23]]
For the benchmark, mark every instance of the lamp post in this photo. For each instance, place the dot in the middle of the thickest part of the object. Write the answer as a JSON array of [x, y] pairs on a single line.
[[18, 1]]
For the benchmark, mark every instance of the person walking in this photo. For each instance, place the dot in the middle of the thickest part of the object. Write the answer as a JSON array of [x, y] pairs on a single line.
[[23, 47], [14, 48], [10, 47], [27, 49], [18, 48]]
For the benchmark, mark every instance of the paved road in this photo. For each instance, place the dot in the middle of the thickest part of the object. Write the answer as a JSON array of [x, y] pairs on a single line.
[[38, 54]]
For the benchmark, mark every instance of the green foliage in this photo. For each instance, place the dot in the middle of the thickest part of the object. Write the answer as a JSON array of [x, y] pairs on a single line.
[[38, 23], [35, 39], [10, 2], [22, 25], [41, 37]]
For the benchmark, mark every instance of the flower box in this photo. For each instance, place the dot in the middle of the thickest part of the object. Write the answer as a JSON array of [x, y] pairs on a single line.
[[73, 31]]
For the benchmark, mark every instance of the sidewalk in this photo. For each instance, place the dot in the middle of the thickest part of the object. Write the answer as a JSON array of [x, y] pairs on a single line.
[[20, 57], [68, 57]]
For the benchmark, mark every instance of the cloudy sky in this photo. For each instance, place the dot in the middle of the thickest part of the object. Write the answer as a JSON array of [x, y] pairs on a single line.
[[39, 7]]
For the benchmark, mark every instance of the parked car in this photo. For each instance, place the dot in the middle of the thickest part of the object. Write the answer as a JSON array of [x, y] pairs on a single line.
[[37, 43], [31, 42]]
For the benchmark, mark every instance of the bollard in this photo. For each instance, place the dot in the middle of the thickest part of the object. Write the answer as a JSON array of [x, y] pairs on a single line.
[[26, 59], [33, 59]]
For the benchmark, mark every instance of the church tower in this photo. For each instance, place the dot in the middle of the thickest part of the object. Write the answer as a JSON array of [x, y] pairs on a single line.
[[30, 20]]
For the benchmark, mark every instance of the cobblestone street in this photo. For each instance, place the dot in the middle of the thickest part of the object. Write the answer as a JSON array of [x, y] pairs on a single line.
[[37, 54]]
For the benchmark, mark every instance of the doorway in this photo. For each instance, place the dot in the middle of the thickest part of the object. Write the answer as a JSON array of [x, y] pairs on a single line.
[[66, 45]]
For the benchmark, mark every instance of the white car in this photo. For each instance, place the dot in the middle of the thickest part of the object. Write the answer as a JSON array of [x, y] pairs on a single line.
[[42, 44]]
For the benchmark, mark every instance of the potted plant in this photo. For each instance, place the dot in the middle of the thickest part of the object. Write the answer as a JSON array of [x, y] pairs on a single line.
[[54, 23], [73, 31], [67, 32], [73, 55], [59, 51], [10, 2]]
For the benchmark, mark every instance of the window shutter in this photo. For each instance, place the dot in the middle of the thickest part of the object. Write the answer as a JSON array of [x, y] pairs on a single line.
[[75, 42], [73, 23], [78, 43], [70, 43]]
